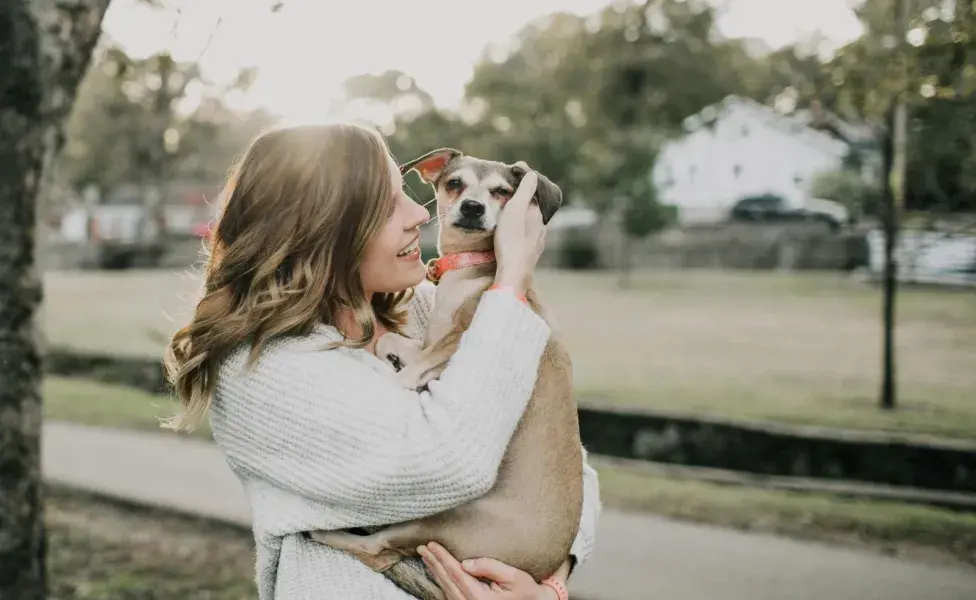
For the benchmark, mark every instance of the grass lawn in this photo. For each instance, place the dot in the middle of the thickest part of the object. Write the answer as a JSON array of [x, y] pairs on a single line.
[[800, 348], [892, 527], [99, 550], [94, 403]]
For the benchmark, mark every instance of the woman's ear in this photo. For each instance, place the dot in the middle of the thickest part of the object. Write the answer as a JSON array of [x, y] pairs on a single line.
[[430, 165]]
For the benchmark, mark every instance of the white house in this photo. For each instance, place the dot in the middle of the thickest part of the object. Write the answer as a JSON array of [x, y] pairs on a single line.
[[739, 148]]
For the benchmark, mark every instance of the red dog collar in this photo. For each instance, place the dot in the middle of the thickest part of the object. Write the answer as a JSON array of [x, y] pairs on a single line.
[[436, 267]]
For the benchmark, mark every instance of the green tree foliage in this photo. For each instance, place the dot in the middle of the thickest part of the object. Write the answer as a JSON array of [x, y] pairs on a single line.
[[151, 120], [941, 100], [589, 100], [644, 215], [848, 188]]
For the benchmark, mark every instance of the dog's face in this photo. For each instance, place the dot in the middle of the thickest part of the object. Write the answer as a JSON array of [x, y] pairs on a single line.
[[471, 193]]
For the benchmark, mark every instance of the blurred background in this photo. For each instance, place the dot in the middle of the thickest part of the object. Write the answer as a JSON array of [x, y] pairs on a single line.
[[735, 173]]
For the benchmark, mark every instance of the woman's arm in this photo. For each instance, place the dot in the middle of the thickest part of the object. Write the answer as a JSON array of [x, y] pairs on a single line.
[[418, 310], [592, 506], [327, 426]]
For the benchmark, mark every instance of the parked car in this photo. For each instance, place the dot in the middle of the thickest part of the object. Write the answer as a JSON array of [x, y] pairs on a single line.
[[190, 208], [117, 231], [132, 227], [769, 208]]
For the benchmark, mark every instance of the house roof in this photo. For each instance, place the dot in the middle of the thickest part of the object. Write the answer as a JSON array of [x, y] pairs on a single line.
[[855, 134], [796, 128]]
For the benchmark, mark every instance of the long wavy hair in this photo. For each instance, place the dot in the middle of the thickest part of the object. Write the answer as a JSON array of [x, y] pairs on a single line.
[[299, 210]]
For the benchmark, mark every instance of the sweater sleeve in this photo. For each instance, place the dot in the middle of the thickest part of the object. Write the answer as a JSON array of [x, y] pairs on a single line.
[[326, 426], [592, 507], [418, 309]]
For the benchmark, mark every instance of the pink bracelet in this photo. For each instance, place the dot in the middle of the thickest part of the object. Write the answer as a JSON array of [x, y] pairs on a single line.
[[561, 592], [508, 288]]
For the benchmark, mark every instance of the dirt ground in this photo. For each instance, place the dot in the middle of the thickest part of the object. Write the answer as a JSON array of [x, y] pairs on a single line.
[[100, 550]]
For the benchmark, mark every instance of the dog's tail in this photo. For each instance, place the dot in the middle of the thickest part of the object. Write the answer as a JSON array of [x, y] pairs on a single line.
[[410, 575]]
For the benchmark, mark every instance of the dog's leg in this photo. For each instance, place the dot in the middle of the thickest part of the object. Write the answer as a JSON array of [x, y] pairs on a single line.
[[382, 549], [428, 365], [374, 551], [368, 549]]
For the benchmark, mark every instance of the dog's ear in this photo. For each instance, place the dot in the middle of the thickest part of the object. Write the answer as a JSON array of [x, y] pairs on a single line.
[[548, 194], [430, 165]]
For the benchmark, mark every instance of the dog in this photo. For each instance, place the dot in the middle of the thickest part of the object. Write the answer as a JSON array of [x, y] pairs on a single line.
[[531, 516]]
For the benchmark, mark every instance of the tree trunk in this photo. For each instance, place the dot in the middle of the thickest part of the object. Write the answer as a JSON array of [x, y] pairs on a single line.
[[45, 47], [890, 274], [894, 198], [626, 262]]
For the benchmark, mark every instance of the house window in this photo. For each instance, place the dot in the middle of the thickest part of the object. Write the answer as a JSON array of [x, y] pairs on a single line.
[[797, 179], [737, 170], [745, 131]]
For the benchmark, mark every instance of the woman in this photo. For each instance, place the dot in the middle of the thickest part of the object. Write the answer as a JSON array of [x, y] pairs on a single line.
[[313, 258]]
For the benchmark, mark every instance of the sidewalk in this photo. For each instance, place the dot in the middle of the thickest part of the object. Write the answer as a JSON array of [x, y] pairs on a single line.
[[637, 557]]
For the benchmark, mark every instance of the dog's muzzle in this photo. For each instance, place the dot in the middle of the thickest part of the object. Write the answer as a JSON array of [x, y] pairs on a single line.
[[472, 209], [471, 215]]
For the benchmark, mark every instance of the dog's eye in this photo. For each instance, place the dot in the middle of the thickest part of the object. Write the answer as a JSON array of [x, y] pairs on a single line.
[[454, 183], [502, 192]]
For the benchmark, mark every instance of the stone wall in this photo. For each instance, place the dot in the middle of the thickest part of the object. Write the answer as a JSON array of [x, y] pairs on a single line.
[[789, 246], [779, 450]]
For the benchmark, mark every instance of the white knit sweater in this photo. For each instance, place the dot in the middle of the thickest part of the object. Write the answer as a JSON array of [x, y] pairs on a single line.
[[328, 440]]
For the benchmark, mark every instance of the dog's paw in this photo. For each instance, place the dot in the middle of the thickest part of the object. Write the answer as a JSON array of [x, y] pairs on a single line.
[[396, 350], [417, 379], [409, 379], [394, 361]]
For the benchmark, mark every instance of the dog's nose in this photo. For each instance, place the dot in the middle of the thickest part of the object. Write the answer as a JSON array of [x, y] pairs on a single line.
[[472, 209]]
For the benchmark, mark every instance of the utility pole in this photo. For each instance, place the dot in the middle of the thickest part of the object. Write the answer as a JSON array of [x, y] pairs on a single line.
[[894, 198]]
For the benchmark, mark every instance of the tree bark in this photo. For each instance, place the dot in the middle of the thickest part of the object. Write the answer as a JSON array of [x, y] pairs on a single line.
[[890, 273], [896, 149], [45, 47]]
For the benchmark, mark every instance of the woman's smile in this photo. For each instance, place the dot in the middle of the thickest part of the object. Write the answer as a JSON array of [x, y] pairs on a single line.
[[411, 251]]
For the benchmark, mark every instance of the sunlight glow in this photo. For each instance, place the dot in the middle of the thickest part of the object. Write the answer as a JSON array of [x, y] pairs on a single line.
[[308, 49]]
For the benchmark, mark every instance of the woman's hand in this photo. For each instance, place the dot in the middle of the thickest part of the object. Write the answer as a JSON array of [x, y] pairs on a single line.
[[519, 236], [464, 582]]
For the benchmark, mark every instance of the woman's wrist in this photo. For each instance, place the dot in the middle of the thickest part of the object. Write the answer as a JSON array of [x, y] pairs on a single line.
[[553, 588], [515, 284], [509, 289], [546, 593]]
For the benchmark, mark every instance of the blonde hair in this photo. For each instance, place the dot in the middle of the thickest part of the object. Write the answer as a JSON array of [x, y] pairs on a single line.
[[299, 210]]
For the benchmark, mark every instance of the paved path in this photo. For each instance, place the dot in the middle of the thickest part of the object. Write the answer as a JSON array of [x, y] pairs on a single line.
[[637, 556]]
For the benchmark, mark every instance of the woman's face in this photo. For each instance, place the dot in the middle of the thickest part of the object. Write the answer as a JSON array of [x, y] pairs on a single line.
[[392, 260]]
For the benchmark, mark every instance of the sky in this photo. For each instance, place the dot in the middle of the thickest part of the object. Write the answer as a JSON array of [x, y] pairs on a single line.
[[305, 51]]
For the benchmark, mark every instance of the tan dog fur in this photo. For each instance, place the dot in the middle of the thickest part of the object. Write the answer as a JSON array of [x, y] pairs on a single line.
[[530, 517]]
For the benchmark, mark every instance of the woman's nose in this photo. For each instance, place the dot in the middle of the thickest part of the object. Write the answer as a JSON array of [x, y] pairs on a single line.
[[418, 216]]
